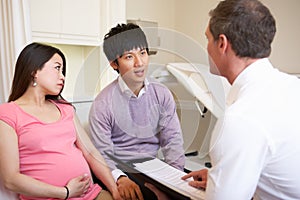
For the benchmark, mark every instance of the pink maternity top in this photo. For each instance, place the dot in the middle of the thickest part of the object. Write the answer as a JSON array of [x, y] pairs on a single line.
[[47, 151]]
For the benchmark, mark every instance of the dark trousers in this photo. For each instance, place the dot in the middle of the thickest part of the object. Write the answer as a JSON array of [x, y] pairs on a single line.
[[147, 193]]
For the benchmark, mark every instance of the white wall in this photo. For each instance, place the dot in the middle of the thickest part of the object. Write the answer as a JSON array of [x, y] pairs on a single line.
[[286, 43], [190, 19], [159, 11]]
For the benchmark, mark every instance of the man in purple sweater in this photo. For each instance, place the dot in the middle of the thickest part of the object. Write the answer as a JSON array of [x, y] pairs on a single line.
[[134, 117]]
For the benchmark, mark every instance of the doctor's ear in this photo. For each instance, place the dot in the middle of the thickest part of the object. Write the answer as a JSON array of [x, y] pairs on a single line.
[[223, 42]]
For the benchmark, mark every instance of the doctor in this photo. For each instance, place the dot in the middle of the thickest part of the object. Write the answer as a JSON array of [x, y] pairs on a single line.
[[255, 147]]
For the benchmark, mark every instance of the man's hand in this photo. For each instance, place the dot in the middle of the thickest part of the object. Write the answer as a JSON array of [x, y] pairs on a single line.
[[200, 178], [128, 189]]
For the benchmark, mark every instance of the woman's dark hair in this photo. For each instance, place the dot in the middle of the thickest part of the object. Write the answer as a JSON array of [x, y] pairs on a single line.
[[121, 38], [31, 59], [248, 25]]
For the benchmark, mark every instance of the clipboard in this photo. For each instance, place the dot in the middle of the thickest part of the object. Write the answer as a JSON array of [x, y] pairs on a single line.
[[129, 167]]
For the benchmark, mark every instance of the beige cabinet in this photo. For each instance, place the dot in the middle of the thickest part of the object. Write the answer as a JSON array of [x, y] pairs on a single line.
[[77, 28], [66, 21]]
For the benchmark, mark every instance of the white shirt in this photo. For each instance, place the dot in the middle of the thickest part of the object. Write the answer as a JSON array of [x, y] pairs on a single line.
[[255, 148], [124, 88]]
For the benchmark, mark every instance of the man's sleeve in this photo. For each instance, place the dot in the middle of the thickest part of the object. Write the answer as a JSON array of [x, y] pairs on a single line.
[[171, 139], [100, 130]]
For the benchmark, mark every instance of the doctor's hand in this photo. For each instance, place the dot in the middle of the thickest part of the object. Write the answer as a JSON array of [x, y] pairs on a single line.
[[128, 189], [200, 178]]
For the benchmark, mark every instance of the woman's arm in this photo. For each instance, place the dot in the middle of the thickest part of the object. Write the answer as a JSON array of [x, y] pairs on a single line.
[[95, 159], [16, 182]]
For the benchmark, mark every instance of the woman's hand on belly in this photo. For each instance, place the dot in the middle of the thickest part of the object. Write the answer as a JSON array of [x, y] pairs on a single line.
[[78, 186]]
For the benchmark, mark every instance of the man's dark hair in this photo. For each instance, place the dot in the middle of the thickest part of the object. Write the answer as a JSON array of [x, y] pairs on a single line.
[[123, 37]]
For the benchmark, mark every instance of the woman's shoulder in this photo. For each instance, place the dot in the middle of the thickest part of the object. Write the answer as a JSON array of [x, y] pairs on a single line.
[[7, 108], [9, 113]]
